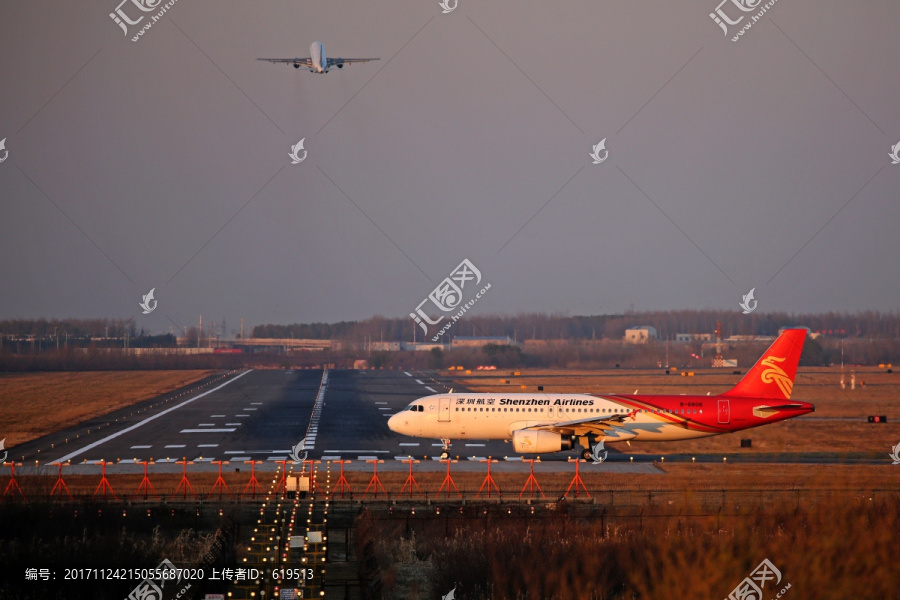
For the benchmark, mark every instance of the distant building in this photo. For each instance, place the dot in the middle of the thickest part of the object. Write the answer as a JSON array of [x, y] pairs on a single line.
[[480, 341], [693, 337], [640, 335]]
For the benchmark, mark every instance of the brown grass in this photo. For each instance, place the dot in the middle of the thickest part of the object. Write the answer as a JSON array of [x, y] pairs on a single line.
[[35, 404], [879, 396]]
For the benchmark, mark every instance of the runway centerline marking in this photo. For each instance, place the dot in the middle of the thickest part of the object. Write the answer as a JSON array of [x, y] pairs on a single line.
[[72, 455], [140, 447], [209, 430]]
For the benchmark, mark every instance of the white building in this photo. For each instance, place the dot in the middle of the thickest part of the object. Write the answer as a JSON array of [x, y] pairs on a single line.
[[640, 335]]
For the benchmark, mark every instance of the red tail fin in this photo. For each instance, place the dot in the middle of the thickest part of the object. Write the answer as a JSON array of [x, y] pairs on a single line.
[[773, 375]]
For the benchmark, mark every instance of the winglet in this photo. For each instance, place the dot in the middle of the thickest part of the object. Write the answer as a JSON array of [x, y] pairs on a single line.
[[772, 377]]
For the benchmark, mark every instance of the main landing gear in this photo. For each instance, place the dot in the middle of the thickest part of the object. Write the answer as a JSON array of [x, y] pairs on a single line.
[[445, 451]]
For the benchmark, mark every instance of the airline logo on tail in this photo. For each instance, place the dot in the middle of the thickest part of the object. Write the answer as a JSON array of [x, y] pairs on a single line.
[[773, 372]]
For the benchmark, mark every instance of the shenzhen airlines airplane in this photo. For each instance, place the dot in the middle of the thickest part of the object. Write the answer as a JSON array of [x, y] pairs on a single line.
[[539, 423], [316, 62]]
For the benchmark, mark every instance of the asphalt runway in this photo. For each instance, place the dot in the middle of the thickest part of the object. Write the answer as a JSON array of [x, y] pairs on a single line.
[[262, 415]]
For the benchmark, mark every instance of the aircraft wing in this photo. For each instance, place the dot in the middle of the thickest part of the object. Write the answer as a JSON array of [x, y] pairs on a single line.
[[306, 62], [337, 62], [592, 425]]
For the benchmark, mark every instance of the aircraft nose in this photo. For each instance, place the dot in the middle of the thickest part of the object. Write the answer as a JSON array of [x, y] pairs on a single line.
[[394, 423]]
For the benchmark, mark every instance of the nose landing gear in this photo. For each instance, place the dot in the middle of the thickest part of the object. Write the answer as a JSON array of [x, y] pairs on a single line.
[[445, 450]]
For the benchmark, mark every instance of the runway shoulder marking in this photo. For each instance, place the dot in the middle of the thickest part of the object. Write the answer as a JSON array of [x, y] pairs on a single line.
[[72, 455]]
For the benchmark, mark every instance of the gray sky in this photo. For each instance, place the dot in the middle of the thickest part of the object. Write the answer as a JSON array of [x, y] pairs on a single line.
[[164, 162]]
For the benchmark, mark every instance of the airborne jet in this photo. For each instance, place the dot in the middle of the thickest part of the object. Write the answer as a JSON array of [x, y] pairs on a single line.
[[317, 62]]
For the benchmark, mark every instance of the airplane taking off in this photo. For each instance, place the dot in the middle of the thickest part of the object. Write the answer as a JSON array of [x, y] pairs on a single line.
[[540, 423], [316, 62]]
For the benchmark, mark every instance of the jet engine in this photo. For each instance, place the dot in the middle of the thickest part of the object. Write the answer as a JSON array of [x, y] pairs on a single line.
[[535, 441]]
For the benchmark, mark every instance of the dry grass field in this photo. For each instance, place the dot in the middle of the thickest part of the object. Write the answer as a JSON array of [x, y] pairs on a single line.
[[35, 404], [838, 425]]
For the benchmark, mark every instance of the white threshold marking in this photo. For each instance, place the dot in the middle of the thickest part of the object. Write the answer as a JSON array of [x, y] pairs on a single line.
[[358, 451], [231, 424], [475, 445], [277, 458], [255, 451], [206, 424], [373, 457], [407, 373], [331, 457], [438, 445], [411, 444], [175, 446], [207, 445], [72, 455], [419, 381], [430, 389], [240, 458], [381, 403], [248, 409], [140, 447], [239, 416], [384, 408], [216, 416], [256, 403], [209, 430]]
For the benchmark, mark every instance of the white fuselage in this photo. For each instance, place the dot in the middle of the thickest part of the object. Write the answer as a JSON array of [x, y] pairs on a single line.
[[493, 416], [317, 53]]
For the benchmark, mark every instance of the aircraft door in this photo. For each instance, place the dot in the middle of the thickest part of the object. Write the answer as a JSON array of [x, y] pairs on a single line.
[[444, 409], [724, 411]]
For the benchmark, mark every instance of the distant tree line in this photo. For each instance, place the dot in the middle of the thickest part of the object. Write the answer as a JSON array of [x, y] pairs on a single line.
[[864, 324]]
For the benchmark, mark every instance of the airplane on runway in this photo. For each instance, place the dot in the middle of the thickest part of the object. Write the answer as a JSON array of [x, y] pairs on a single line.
[[317, 62], [543, 423]]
